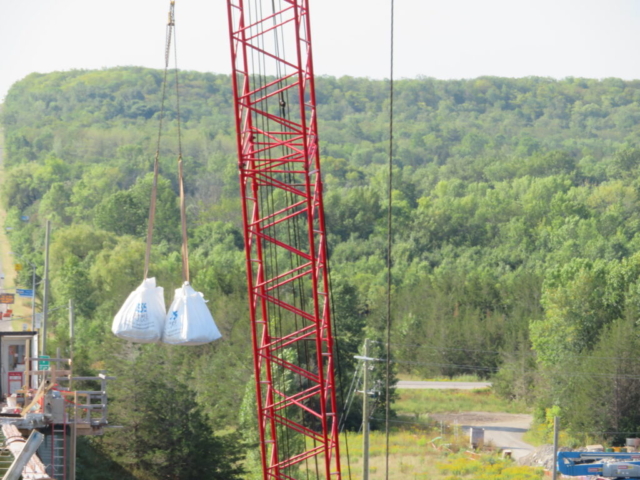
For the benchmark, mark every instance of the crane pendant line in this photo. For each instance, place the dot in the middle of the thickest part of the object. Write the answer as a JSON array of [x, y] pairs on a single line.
[[279, 168]]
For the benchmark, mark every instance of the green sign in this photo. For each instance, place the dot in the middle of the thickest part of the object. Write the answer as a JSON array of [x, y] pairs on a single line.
[[43, 364]]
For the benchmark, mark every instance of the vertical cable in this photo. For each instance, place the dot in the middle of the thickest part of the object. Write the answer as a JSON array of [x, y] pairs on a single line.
[[183, 213], [389, 241], [154, 188]]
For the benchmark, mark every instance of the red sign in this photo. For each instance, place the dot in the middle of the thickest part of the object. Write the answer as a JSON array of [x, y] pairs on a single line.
[[15, 382]]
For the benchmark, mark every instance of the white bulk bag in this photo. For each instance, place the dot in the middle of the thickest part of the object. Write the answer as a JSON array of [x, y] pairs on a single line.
[[141, 318], [189, 321]]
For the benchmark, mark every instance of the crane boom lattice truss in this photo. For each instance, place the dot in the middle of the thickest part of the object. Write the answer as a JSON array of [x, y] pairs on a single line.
[[285, 240]]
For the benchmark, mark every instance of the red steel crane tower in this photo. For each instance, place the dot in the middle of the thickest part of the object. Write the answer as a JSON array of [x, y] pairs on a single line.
[[285, 238]]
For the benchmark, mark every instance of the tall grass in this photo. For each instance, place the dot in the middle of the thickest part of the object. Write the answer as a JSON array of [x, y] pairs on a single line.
[[424, 454], [418, 402], [486, 468]]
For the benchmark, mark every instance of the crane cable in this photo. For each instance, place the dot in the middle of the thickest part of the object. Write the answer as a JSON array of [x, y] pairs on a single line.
[[389, 243], [154, 189], [183, 209]]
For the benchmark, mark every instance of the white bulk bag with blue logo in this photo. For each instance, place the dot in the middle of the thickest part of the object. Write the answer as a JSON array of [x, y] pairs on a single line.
[[189, 321], [141, 318]]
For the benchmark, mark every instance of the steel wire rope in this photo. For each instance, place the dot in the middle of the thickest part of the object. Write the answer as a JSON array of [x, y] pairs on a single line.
[[272, 252], [389, 242], [183, 212], [337, 341], [154, 188], [495, 369], [350, 396], [301, 102], [284, 114], [530, 353], [592, 432], [299, 300], [257, 194], [430, 347], [337, 363]]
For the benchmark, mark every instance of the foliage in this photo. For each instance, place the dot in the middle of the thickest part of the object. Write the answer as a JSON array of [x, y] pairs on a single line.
[[515, 241], [167, 436], [486, 468], [417, 402]]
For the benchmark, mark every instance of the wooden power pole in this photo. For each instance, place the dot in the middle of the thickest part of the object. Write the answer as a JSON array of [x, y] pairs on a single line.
[[45, 296], [365, 412]]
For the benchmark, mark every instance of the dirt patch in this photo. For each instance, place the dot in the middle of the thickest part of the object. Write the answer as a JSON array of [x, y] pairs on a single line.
[[479, 419]]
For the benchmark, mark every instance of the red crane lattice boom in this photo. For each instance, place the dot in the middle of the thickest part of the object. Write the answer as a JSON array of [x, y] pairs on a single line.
[[285, 237]]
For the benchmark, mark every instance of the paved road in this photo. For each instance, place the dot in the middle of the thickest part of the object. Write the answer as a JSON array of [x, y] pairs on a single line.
[[504, 430], [443, 385]]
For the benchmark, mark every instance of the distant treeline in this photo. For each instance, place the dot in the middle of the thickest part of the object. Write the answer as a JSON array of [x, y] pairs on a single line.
[[516, 252]]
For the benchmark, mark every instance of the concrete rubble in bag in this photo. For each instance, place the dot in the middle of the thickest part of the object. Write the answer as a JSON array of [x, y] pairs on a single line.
[[141, 318], [189, 321]]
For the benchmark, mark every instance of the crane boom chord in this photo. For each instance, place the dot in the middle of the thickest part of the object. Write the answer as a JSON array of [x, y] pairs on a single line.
[[285, 237]]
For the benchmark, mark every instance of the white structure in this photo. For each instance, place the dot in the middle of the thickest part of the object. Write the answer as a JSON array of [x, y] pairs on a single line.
[[14, 349]]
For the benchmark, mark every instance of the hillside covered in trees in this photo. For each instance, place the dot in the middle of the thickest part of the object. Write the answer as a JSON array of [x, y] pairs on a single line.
[[516, 240]]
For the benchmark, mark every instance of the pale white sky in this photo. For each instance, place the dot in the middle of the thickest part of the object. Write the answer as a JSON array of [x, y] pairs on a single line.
[[437, 38]]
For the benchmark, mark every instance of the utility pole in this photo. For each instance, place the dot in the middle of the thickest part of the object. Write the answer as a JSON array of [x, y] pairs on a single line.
[[365, 413], [74, 427], [71, 319], [33, 296], [45, 297]]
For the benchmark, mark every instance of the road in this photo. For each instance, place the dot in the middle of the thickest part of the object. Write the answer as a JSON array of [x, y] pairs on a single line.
[[504, 430]]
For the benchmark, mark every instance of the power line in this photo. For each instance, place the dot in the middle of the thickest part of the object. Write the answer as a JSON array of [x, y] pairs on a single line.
[[497, 369], [529, 353]]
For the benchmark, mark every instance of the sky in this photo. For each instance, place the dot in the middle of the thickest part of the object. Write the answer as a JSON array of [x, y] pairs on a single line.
[[434, 38]]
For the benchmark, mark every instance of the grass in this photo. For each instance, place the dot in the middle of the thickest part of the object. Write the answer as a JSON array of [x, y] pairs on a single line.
[[419, 449], [424, 454], [488, 467], [418, 402]]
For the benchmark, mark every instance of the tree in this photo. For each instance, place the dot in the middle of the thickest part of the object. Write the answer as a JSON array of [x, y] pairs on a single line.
[[166, 436]]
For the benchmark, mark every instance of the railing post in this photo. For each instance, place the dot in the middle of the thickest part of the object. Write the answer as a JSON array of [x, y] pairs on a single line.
[[103, 387]]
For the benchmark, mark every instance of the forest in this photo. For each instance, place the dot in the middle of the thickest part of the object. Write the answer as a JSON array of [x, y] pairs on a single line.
[[515, 244]]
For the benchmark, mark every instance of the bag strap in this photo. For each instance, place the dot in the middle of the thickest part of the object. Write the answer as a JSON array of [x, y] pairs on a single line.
[[152, 215], [183, 219]]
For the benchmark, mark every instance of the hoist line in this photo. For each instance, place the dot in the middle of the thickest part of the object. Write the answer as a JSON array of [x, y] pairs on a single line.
[[298, 286], [389, 242], [154, 188], [183, 209], [273, 251], [336, 335], [265, 200], [256, 193], [268, 199]]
